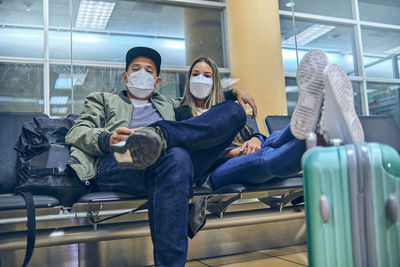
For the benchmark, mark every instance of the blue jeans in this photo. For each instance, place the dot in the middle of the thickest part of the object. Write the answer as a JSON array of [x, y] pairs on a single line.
[[193, 146], [280, 155]]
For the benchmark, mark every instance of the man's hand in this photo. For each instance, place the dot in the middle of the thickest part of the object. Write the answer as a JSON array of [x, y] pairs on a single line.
[[248, 147], [119, 134], [244, 98]]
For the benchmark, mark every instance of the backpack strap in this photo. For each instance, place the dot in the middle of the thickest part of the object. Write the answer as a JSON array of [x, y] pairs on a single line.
[[48, 171], [31, 224], [93, 220]]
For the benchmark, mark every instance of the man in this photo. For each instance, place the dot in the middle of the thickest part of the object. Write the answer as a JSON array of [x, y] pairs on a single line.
[[160, 161]]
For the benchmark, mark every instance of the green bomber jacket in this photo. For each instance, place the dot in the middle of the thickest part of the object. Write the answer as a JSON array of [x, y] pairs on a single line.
[[101, 115]]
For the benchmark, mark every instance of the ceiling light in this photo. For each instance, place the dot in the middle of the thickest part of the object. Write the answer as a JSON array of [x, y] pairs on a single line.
[[308, 35], [94, 14], [394, 50]]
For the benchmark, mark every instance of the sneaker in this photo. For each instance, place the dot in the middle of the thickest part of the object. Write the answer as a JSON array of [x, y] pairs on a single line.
[[139, 150], [339, 119], [311, 91]]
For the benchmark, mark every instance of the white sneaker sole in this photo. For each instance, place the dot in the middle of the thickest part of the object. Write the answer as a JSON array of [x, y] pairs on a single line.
[[311, 93], [341, 92], [139, 151]]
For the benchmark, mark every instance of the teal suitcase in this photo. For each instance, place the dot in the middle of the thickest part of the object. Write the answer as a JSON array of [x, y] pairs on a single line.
[[352, 204]]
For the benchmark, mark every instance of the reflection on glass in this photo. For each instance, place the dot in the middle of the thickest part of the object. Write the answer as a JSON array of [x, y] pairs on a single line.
[[335, 40], [172, 84], [381, 50], [25, 12], [18, 40], [21, 42], [179, 34], [381, 67], [292, 95], [99, 79], [380, 11], [21, 87], [338, 8], [84, 80], [383, 99]]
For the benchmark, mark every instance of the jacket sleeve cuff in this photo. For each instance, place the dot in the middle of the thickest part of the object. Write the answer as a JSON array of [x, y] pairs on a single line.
[[104, 142], [228, 94], [259, 136]]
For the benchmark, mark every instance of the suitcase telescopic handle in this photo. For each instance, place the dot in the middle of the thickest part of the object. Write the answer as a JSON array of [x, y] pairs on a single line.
[[324, 209], [391, 208]]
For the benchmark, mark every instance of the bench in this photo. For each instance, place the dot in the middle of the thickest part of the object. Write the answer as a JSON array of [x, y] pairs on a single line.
[[98, 205], [58, 225]]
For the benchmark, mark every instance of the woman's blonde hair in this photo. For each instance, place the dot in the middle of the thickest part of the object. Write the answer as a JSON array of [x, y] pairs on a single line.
[[216, 95]]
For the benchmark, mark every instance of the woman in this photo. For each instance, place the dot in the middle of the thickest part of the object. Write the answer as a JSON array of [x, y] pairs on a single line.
[[252, 158]]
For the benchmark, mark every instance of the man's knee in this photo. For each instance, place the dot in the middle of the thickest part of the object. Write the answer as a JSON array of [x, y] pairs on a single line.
[[237, 113]]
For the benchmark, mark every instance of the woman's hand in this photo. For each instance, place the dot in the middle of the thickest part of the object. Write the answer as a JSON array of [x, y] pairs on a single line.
[[244, 98], [248, 147], [119, 134], [233, 153]]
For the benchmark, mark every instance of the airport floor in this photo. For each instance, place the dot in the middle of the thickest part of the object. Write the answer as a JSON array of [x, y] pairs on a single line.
[[294, 256]]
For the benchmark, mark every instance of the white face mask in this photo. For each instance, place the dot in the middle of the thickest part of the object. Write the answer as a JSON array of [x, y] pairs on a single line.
[[201, 86], [140, 84]]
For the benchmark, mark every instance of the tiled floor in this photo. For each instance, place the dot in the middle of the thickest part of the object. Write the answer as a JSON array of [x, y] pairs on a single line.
[[293, 256]]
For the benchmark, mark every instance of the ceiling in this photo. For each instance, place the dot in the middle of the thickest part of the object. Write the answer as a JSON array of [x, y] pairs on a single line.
[[155, 19]]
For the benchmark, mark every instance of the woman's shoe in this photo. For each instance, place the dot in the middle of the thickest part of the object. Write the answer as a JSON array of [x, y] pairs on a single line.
[[310, 81], [339, 119]]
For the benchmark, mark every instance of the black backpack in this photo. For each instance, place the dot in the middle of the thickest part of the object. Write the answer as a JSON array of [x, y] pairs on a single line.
[[42, 161], [42, 168]]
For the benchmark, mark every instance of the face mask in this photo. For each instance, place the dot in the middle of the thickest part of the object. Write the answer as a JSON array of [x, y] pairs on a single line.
[[140, 83], [201, 86]]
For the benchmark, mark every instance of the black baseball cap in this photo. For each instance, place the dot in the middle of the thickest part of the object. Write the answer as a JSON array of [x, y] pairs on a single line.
[[141, 51]]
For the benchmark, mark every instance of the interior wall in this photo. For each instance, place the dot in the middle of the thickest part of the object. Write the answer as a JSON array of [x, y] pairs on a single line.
[[256, 54]]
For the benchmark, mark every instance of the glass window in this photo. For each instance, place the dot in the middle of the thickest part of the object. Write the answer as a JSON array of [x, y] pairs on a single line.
[[179, 34], [26, 12], [338, 8], [85, 80], [292, 95], [102, 79], [383, 11], [21, 33], [334, 39], [383, 99], [21, 87], [97, 79], [381, 48]]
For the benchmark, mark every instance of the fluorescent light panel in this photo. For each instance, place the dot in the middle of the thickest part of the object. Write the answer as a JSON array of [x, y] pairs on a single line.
[[310, 34], [94, 14], [394, 50]]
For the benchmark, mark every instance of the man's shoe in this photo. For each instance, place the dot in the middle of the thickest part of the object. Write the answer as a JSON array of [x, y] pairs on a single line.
[[139, 150], [310, 82], [339, 119]]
